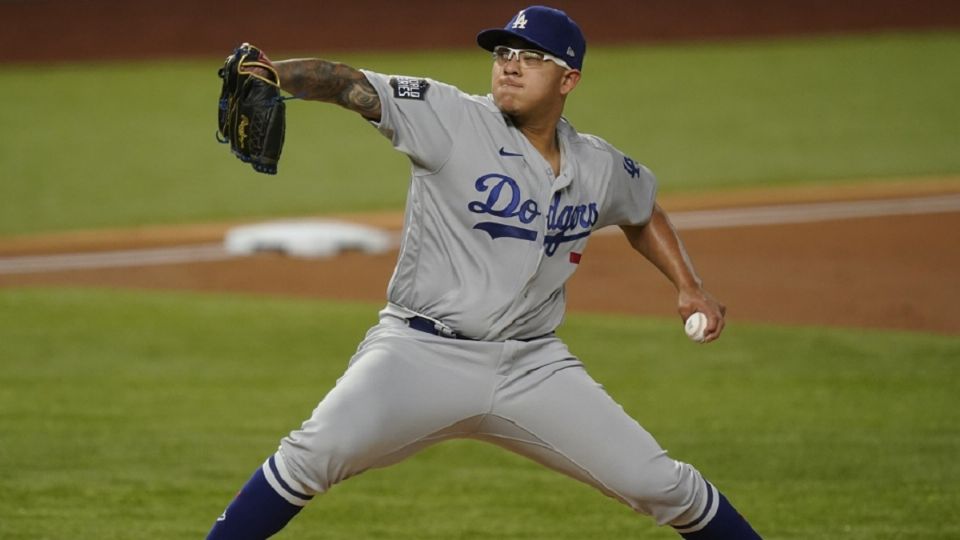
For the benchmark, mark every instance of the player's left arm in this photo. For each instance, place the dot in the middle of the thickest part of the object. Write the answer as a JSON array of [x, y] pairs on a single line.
[[658, 242], [332, 82]]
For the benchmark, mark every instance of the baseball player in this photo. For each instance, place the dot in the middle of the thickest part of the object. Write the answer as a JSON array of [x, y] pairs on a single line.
[[503, 198]]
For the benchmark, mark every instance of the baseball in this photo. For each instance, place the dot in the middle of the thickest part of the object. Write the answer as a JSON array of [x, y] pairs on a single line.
[[696, 326]]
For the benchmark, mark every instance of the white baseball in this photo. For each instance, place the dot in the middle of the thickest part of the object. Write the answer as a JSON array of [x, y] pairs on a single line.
[[696, 326]]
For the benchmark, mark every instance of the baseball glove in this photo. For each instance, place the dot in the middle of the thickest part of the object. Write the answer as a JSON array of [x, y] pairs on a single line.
[[252, 114]]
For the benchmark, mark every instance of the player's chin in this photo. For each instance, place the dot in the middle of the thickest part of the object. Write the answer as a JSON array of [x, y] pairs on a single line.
[[508, 103]]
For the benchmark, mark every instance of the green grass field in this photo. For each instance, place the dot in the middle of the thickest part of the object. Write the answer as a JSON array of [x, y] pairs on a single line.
[[112, 145], [138, 415]]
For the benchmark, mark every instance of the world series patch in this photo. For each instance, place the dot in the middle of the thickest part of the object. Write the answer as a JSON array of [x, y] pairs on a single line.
[[407, 88]]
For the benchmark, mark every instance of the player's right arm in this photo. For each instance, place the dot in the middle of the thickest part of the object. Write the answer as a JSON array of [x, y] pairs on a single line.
[[331, 82], [658, 241]]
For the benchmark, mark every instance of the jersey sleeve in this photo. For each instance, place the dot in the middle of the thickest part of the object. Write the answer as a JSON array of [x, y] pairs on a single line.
[[630, 194], [418, 116]]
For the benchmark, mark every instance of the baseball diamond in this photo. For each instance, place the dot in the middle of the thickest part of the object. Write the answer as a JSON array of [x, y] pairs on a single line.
[[504, 195]]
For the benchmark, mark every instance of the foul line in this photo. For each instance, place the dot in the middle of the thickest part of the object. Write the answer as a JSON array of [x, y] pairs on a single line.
[[814, 212], [700, 219], [113, 259]]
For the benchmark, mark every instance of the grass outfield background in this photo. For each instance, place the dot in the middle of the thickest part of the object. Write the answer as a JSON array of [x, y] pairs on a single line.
[[112, 144], [132, 414], [129, 415]]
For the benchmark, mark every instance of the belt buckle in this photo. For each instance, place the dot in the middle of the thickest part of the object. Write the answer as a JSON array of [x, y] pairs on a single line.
[[444, 331]]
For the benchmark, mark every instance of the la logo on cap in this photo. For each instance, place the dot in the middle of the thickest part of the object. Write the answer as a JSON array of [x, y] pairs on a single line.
[[521, 21]]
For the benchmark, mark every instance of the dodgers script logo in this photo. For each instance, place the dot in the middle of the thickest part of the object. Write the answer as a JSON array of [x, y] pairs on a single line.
[[504, 200]]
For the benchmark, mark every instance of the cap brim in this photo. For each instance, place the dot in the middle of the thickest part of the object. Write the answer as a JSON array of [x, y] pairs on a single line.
[[488, 39]]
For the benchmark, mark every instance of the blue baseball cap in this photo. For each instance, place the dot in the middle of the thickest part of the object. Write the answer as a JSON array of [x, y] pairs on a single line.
[[545, 28]]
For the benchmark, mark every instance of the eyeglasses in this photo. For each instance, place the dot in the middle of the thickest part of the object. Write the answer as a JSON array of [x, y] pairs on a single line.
[[528, 58]]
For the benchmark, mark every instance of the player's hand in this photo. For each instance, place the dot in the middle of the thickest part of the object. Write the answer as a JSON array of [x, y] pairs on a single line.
[[259, 65], [691, 301]]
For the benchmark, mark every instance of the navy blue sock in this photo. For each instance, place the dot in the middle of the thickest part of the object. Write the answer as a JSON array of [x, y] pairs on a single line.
[[256, 513], [727, 523]]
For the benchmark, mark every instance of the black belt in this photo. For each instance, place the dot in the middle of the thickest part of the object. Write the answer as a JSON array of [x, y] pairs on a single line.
[[424, 324]]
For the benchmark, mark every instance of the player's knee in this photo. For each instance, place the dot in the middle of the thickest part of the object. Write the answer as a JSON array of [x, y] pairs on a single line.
[[321, 462], [311, 466], [664, 489]]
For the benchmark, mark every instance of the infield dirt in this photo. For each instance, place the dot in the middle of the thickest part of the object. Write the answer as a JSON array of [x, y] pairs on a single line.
[[895, 272]]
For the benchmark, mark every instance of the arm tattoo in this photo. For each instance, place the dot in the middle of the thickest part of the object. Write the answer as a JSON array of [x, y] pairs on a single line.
[[331, 82]]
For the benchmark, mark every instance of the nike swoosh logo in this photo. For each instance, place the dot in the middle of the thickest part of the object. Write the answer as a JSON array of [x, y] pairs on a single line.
[[508, 154]]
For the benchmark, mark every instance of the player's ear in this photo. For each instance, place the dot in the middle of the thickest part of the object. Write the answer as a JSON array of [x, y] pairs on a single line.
[[569, 81]]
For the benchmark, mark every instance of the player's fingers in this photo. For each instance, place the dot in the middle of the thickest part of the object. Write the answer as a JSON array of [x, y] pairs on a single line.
[[715, 326]]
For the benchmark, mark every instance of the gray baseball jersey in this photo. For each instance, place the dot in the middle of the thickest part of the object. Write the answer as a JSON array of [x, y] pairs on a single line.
[[491, 235]]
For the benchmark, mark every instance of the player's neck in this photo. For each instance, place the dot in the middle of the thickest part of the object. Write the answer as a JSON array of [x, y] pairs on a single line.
[[544, 139]]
